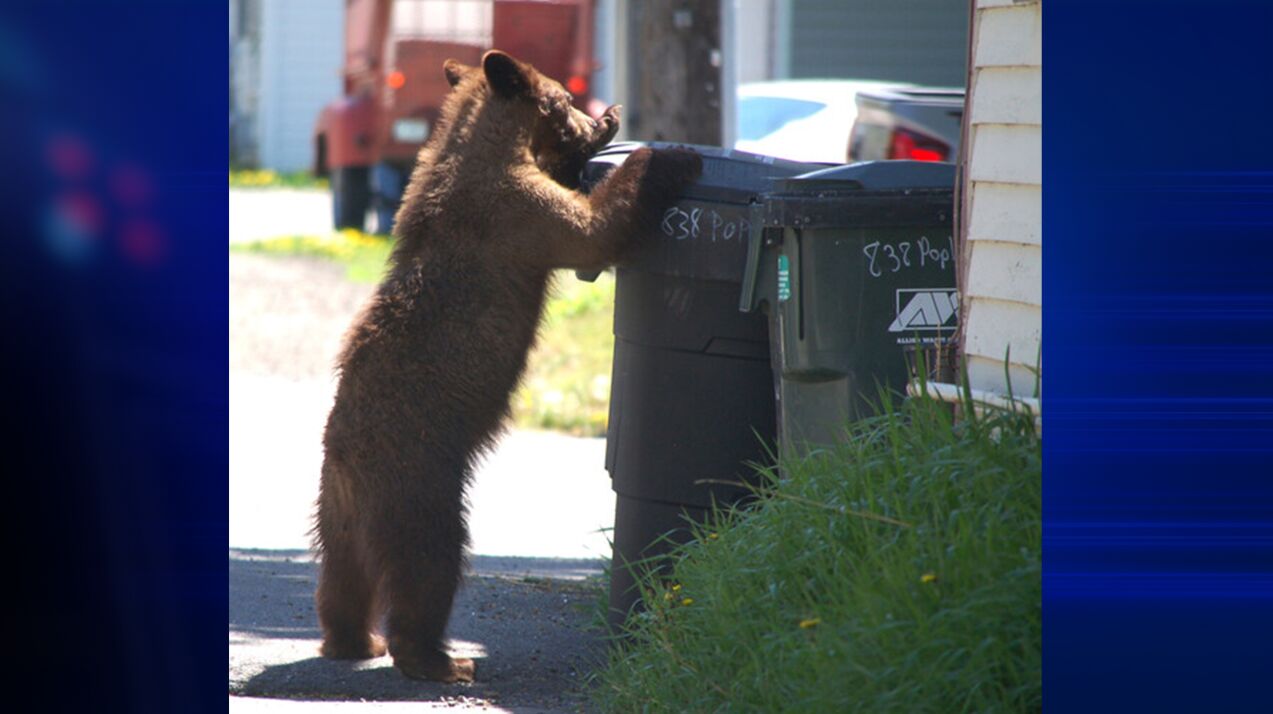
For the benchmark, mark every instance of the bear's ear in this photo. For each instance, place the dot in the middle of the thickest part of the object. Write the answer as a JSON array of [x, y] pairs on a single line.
[[455, 71], [507, 76]]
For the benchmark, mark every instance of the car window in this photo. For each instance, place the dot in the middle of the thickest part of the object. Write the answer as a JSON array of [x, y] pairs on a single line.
[[762, 116]]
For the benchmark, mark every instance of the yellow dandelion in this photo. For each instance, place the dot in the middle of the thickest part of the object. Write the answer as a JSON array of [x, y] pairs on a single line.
[[687, 601], [811, 622], [667, 596], [928, 578], [676, 588], [712, 536]]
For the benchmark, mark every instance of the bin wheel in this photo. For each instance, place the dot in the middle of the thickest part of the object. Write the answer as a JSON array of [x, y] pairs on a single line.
[[351, 197]]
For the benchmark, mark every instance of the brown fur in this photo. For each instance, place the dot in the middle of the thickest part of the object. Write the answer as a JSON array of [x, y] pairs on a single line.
[[428, 367]]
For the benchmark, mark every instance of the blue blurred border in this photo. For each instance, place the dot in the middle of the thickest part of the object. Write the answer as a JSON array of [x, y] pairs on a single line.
[[1158, 344], [114, 277], [1158, 210]]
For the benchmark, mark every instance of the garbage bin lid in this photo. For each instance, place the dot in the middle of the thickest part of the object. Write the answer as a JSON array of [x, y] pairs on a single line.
[[870, 193], [728, 175], [704, 235], [871, 176]]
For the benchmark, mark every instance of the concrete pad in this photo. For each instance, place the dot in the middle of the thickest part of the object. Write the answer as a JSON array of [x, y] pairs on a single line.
[[538, 494], [258, 213]]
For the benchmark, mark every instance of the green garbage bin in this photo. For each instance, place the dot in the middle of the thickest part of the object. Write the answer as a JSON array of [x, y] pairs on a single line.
[[855, 267]]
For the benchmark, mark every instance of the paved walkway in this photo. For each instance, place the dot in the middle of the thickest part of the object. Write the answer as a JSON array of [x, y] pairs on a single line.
[[538, 494]]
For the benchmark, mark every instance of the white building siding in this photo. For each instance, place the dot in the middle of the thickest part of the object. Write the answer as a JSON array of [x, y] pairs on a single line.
[[1007, 153], [1007, 270], [990, 375], [1014, 33], [1003, 290], [1008, 95], [1007, 210], [302, 46]]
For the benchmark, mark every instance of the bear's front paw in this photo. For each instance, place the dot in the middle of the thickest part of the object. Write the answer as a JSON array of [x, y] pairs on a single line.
[[678, 165], [667, 171], [607, 127]]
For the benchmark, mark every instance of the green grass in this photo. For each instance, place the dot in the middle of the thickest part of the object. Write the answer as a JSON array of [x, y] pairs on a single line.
[[267, 178], [567, 382], [362, 254], [898, 572]]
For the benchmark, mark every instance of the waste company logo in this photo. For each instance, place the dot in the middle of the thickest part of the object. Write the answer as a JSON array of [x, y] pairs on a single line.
[[926, 310]]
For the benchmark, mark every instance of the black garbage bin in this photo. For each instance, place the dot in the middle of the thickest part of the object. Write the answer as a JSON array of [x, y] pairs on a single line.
[[692, 392], [855, 267]]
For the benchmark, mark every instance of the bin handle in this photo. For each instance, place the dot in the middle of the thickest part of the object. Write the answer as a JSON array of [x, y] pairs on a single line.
[[755, 240]]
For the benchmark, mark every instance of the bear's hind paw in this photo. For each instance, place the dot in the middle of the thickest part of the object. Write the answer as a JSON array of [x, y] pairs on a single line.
[[438, 668], [370, 647]]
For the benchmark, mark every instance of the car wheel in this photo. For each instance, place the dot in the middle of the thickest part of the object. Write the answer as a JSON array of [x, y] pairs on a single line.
[[351, 196]]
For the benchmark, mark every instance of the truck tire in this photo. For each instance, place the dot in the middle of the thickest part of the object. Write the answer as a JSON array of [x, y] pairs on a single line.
[[386, 195], [351, 196]]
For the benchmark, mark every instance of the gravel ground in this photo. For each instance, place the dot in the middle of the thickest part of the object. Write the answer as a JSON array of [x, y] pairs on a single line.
[[526, 620], [287, 315]]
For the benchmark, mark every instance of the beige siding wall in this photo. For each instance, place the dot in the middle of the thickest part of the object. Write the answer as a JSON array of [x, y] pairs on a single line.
[[1003, 294]]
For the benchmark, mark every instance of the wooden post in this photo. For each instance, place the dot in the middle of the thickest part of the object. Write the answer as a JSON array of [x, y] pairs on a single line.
[[676, 71]]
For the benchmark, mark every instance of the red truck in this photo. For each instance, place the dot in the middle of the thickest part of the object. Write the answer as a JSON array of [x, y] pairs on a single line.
[[367, 140]]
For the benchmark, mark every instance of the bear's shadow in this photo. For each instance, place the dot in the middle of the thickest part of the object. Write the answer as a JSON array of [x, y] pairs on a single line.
[[527, 623]]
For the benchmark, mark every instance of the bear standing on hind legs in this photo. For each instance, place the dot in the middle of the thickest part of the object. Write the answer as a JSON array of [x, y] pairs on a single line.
[[428, 367]]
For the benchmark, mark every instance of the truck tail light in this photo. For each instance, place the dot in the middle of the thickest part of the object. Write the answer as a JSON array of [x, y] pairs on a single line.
[[577, 85], [396, 79], [906, 144]]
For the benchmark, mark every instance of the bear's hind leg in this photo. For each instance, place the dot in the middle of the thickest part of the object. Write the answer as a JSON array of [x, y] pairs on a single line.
[[346, 607], [346, 595], [419, 594]]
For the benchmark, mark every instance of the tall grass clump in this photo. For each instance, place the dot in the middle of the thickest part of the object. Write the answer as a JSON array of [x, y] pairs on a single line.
[[896, 572]]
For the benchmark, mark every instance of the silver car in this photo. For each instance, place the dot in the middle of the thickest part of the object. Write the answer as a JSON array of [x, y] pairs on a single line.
[[799, 119]]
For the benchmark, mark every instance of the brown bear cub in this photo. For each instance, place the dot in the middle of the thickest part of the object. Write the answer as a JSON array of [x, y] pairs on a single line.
[[428, 367]]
